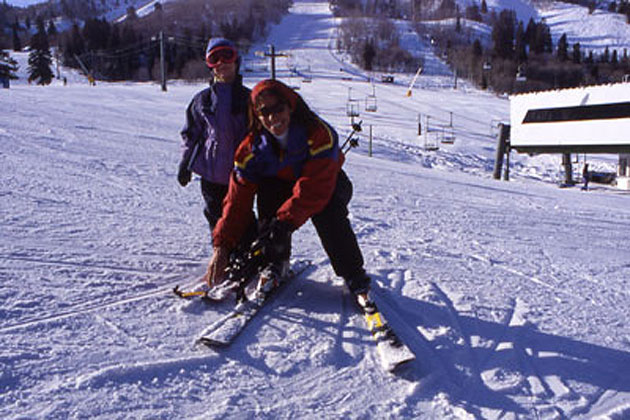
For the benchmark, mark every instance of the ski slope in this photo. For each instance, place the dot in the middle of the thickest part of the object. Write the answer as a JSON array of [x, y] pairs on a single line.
[[513, 295]]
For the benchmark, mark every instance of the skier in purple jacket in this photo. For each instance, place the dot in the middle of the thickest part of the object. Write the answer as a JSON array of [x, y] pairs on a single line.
[[216, 122]]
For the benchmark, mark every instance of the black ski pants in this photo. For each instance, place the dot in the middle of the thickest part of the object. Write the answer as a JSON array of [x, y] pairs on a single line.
[[332, 225]]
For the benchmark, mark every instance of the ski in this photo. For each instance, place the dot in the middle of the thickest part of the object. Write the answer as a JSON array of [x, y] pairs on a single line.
[[392, 352], [223, 331]]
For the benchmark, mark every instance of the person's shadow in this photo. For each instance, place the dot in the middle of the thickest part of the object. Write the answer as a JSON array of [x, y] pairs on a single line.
[[498, 365]]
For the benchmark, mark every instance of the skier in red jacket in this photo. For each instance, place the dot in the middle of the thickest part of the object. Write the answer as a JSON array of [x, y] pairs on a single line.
[[291, 162]]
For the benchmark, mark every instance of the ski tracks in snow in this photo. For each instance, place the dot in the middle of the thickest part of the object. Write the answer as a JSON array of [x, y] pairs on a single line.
[[486, 361]]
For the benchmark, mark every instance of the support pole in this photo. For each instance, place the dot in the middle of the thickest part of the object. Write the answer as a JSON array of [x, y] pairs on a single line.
[[568, 169], [272, 54], [370, 145], [506, 171], [162, 62], [502, 140]]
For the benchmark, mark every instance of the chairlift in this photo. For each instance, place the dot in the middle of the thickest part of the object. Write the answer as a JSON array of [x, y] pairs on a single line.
[[370, 104], [370, 101], [352, 108], [307, 78], [294, 86], [448, 136], [520, 74], [487, 65], [430, 142]]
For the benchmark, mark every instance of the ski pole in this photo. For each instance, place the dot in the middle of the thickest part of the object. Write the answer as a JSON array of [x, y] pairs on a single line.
[[356, 128]]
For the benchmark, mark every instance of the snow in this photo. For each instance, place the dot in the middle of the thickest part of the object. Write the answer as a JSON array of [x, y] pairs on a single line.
[[594, 31], [513, 295]]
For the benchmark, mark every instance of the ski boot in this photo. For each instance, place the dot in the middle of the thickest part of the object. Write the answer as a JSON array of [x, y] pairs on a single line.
[[270, 278]]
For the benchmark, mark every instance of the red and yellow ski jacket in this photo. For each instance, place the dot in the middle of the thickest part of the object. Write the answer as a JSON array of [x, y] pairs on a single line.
[[312, 159]]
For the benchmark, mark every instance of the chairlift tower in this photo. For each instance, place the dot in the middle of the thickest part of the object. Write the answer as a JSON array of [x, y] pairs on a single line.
[[272, 54]]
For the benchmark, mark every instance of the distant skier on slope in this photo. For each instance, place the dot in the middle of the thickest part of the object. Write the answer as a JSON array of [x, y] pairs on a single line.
[[586, 177], [291, 161], [216, 122]]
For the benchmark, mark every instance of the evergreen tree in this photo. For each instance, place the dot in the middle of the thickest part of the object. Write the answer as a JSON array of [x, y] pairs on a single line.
[[39, 59], [368, 55], [473, 13], [563, 48], [530, 32], [477, 49], [577, 54], [541, 41], [547, 40], [52, 29], [17, 43], [8, 66], [606, 56], [520, 49], [503, 34], [484, 7]]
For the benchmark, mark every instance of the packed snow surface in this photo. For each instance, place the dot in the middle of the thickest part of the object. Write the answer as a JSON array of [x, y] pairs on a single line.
[[513, 295]]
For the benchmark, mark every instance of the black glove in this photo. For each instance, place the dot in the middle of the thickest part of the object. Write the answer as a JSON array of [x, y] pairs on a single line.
[[278, 235], [183, 174]]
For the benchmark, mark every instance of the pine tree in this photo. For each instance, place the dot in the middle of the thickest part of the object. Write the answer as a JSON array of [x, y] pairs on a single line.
[[520, 42], [503, 34], [577, 54], [606, 56], [563, 48], [39, 59], [17, 44], [8, 66], [52, 29], [368, 55]]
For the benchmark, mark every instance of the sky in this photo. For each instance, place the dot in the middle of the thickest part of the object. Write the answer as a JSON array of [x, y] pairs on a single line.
[[512, 295], [24, 3]]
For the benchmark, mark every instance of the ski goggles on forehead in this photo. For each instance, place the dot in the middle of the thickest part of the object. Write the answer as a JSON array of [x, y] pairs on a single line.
[[219, 55]]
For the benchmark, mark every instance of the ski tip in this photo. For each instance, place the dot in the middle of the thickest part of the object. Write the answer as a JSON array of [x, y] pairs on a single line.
[[178, 291], [399, 366], [209, 342]]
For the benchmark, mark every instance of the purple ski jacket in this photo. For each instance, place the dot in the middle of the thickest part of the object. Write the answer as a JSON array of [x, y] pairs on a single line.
[[216, 122]]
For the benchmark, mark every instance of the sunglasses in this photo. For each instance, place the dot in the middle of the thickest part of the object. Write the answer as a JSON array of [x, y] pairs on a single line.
[[219, 55], [266, 111]]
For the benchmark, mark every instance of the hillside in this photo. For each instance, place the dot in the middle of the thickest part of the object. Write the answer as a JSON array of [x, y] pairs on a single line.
[[512, 295]]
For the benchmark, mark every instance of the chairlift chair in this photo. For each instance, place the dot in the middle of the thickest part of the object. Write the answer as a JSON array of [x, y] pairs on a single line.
[[352, 108], [370, 103]]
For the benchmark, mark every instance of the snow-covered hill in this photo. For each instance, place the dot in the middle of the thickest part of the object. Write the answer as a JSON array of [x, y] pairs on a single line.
[[513, 295], [113, 10]]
